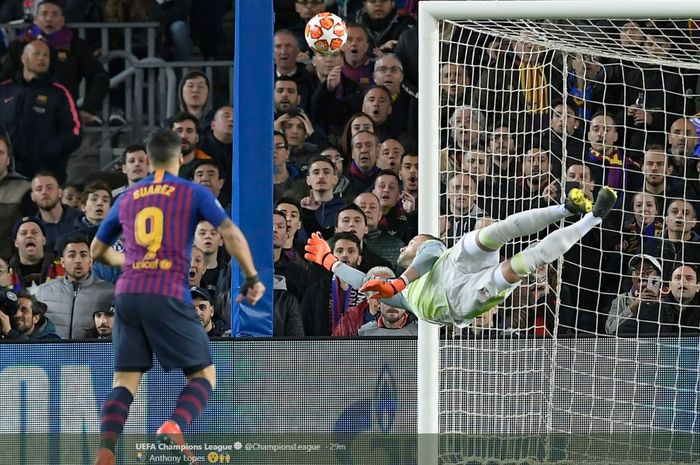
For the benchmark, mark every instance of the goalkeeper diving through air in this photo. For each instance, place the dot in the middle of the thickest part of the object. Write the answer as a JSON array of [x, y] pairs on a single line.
[[453, 286]]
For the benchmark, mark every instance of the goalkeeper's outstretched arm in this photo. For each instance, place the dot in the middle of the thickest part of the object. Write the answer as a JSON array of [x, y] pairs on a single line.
[[358, 279], [426, 254]]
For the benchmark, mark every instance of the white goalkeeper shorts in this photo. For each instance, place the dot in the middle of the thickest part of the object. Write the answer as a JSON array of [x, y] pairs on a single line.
[[471, 280]]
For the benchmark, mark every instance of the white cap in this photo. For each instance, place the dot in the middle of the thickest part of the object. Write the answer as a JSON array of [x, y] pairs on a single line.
[[650, 258]]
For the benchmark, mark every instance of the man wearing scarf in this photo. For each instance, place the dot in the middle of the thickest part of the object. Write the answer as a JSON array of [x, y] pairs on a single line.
[[328, 298], [363, 170], [609, 164], [71, 57]]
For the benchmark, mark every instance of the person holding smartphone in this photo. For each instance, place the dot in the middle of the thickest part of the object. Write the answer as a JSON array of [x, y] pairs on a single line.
[[637, 311]]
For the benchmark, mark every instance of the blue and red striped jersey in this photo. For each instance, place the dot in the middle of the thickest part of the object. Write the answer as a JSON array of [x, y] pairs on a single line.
[[158, 217]]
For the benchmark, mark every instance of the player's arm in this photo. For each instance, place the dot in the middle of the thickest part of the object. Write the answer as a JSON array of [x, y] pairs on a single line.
[[428, 253], [318, 251], [106, 254], [108, 232], [237, 246]]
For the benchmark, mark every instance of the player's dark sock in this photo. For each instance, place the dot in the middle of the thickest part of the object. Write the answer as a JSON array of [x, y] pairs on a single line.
[[115, 410], [192, 400]]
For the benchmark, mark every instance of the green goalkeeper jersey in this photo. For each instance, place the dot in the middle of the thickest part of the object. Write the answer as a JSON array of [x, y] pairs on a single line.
[[426, 295]]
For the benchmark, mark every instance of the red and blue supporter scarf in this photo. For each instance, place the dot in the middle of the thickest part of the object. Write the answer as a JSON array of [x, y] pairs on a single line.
[[59, 40], [614, 164], [356, 172]]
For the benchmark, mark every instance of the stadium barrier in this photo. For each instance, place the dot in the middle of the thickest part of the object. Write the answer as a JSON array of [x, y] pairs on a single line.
[[349, 401]]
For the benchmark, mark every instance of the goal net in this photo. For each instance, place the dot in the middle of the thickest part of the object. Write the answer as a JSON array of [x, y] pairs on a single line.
[[593, 358]]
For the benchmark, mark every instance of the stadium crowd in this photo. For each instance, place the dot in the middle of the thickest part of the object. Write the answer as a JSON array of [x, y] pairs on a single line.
[[519, 126]]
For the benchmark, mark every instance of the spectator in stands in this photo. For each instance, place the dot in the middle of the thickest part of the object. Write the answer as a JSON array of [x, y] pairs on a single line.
[[586, 85], [643, 223], [680, 221], [322, 203], [660, 96], [462, 209], [563, 121], [197, 266], [609, 164], [680, 309], [194, 92], [390, 152], [30, 322], [72, 196], [357, 66], [327, 66], [334, 155], [208, 239], [58, 219], [378, 239], [293, 247], [395, 220], [408, 173], [185, 125], [173, 16], [538, 79], [303, 140], [135, 166], [295, 275], [392, 321], [388, 72], [538, 186], [366, 312], [684, 145], [496, 81], [646, 272], [503, 148], [383, 23], [72, 299], [32, 263], [203, 305], [39, 115], [631, 36], [13, 188], [466, 129], [218, 143], [358, 122], [377, 104], [287, 97], [363, 169], [98, 200], [284, 171], [102, 324], [333, 95], [455, 88], [580, 173], [352, 219], [288, 320], [330, 292], [656, 167], [207, 26], [208, 173], [286, 55], [72, 58]]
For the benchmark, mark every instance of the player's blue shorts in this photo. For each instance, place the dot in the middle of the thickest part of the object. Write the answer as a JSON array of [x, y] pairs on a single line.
[[169, 328]]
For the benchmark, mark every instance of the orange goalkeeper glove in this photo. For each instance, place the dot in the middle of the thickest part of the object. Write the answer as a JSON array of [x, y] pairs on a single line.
[[318, 251], [383, 289]]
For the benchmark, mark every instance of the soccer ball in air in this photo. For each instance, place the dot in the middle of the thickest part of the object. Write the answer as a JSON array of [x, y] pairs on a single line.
[[326, 33]]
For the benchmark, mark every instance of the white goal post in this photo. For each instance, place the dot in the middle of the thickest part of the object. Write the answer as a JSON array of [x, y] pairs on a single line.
[[431, 13]]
